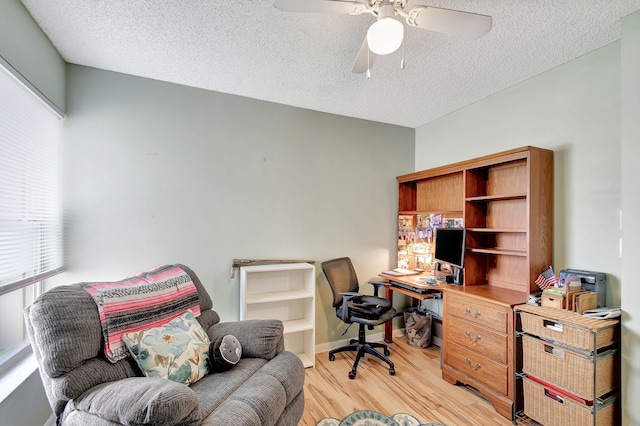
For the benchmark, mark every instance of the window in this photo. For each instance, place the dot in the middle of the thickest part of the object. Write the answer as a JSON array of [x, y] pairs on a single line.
[[30, 211]]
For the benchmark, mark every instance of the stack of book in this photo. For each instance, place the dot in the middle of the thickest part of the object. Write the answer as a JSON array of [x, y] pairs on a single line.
[[571, 298]]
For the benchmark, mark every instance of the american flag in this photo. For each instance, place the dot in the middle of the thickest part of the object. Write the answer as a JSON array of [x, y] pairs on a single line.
[[546, 279]]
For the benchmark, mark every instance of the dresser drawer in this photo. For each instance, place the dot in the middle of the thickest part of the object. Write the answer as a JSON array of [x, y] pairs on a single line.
[[478, 339], [484, 314], [490, 373]]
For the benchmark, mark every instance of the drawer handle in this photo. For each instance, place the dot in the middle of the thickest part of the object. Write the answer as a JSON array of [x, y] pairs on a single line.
[[471, 339], [477, 367], [471, 315]]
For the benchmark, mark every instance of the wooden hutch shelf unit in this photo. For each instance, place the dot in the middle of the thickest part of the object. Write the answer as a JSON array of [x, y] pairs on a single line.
[[506, 202]]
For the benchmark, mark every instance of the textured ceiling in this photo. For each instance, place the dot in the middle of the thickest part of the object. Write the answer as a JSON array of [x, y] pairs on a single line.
[[251, 49]]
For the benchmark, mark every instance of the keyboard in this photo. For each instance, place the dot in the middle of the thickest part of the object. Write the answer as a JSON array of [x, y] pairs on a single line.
[[417, 288]]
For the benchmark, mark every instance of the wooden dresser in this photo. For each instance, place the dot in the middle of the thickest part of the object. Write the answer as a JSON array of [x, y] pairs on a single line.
[[477, 342], [506, 203]]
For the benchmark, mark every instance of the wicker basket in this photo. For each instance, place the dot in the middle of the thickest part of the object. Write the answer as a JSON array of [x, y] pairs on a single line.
[[568, 370], [553, 409], [567, 327]]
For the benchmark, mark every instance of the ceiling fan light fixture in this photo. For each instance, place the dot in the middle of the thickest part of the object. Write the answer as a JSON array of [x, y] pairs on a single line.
[[385, 36]]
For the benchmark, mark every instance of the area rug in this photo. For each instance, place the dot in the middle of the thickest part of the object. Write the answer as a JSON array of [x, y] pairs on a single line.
[[373, 418]]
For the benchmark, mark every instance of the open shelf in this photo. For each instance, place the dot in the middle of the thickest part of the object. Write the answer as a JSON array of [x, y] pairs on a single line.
[[485, 198], [497, 230], [297, 325], [500, 251], [450, 213], [277, 296], [285, 292]]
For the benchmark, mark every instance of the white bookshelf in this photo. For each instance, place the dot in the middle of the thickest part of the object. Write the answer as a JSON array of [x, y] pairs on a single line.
[[285, 292]]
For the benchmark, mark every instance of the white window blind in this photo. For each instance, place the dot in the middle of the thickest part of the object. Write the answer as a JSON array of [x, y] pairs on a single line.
[[30, 207]]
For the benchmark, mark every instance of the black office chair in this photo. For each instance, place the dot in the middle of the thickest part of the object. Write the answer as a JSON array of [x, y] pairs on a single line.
[[353, 307]]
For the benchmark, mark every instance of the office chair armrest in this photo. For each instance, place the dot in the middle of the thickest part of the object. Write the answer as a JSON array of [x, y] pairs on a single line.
[[346, 296], [376, 285]]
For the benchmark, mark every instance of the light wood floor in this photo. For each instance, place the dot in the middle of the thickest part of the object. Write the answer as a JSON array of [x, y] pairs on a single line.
[[416, 389]]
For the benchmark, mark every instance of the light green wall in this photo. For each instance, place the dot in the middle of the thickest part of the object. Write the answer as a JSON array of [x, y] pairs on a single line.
[[28, 50], [576, 110], [161, 173], [631, 213], [264, 184], [27, 405]]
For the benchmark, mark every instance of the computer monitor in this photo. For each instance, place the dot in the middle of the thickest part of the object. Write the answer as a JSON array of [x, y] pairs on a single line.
[[449, 249]]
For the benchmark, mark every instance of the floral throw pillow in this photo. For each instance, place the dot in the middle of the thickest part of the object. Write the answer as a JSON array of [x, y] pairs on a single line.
[[176, 351]]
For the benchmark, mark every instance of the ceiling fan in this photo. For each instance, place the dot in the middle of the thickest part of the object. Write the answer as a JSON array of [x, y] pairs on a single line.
[[386, 34]]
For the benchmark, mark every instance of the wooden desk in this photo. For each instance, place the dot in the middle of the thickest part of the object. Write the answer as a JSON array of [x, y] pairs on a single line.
[[477, 310], [434, 291]]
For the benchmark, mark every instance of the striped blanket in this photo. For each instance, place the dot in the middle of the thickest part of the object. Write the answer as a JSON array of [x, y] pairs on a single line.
[[143, 301]]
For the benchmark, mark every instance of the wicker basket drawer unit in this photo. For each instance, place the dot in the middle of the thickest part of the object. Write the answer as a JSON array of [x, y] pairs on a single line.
[[567, 328], [570, 367], [569, 370], [551, 408]]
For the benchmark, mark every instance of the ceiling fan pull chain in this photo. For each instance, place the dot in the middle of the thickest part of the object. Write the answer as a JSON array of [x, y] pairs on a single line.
[[375, 6], [368, 64]]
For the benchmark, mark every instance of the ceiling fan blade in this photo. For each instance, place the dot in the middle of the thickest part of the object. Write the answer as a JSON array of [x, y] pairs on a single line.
[[450, 22], [324, 6], [365, 59]]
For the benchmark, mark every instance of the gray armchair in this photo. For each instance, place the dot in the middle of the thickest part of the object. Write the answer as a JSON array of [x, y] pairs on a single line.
[[84, 388]]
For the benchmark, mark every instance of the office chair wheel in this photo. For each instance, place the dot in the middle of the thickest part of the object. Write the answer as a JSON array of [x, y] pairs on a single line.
[[332, 357], [392, 371], [352, 374]]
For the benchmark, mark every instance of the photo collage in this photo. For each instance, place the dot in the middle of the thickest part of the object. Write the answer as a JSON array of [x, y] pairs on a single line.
[[415, 239]]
